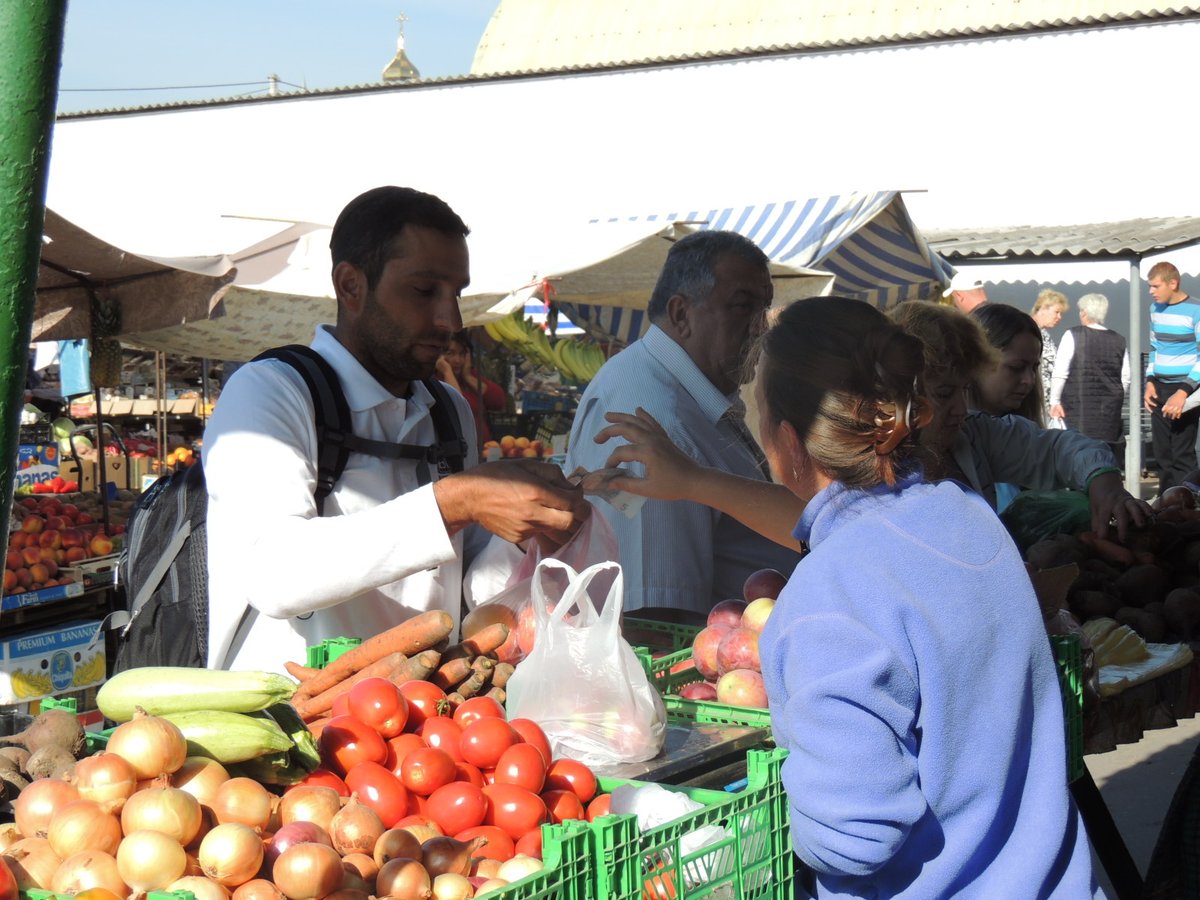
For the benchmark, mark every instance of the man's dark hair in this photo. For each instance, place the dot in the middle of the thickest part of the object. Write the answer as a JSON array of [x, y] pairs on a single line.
[[366, 229], [690, 265]]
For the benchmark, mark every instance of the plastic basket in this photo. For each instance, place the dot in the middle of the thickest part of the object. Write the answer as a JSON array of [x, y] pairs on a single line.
[[38, 894], [694, 712], [753, 860], [1069, 657], [568, 867], [330, 649], [669, 636]]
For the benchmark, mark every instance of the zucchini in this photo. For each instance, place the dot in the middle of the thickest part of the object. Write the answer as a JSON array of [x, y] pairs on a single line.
[[174, 689], [304, 752], [229, 737]]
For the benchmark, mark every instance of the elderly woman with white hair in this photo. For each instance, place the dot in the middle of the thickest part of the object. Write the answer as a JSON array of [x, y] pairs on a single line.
[[1091, 375]]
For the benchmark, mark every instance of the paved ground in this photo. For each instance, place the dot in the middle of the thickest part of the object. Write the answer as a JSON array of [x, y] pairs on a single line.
[[1137, 782]]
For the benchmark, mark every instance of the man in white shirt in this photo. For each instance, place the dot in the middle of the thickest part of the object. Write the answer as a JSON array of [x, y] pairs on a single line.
[[966, 292], [708, 307], [1091, 375], [388, 546]]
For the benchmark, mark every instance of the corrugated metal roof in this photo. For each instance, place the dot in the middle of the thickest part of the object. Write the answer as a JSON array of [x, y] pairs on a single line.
[[542, 35], [1106, 240]]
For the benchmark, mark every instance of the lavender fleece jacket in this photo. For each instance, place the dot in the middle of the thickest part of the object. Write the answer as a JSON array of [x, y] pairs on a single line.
[[910, 677]]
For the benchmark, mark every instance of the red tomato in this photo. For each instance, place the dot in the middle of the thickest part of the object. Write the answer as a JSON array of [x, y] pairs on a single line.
[[426, 769], [444, 734], [468, 773], [531, 733], [513, 809], [418, 805], [569, 775], [484, 742], [522, 765], [659, 884], [398, 747], [8, 882], [325, 778], [425, 701], [341, 706], [457, 806], [345, 742], [499, 845], [378, 703], [381, 790], [600, 806], [562, 805], [530, 843], [477, 708]]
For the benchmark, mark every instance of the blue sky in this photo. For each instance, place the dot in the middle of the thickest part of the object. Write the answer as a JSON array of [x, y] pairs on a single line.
[[311, 43]]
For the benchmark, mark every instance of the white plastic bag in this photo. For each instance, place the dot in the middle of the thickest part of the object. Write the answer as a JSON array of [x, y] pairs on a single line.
[[581, 682]]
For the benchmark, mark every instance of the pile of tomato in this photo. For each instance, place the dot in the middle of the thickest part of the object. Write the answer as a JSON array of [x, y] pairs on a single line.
[[467, 771]]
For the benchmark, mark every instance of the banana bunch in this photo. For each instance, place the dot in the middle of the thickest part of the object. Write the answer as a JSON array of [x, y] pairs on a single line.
[[577, 360], [522, 335]]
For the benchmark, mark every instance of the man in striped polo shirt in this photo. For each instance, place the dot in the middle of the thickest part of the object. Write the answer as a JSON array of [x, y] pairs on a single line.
[[1172, 374]]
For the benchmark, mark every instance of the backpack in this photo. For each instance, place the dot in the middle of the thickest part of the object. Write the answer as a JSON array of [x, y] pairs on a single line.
[[164, 564]]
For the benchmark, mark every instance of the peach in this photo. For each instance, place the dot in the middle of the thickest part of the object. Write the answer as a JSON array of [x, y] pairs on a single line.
[[507, 442], [488, 445], [756, 614], [742, 687], [74, 554], [57, 523], [728, 612], [13, 560], [17, 540], [51, 538], [704, 649], [10, 580], [100, 546], [73, 537], [529, 453], [24, 579], [522, 442], [32, 524], [738, 649], [70, 511], [31, 555], [764, 583], [39, 573], [699, 690]]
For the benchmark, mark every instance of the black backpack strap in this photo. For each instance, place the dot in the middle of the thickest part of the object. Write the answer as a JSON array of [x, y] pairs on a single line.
[[333, 423], [451, 447]]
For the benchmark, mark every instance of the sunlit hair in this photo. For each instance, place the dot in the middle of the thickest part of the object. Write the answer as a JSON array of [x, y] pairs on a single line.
[[828, 366], [690, 268], [956, 345], [1094, 306], [1165, 271], [1050, 298], [1003, 324]]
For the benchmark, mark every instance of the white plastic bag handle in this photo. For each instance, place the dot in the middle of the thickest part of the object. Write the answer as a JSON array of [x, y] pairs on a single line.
[[577, 594]]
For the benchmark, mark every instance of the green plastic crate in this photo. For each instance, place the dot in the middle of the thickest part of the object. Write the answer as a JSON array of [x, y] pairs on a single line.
[[694, 712], [669, 636], [753, 861], [1069, 657], [330, 649], [37, 894], [568, 868]]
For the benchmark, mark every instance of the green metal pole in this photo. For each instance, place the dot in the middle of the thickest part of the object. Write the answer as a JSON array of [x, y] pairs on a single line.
[[31, 33]]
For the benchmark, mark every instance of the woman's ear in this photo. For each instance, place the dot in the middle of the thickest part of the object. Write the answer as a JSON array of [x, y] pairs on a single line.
[[350, 286]]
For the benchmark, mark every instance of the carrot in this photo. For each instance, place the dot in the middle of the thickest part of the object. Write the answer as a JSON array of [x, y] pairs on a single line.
[[416, 668], [316, 726], [451, 673], [502, 673], [312, 707], [409, 637], [455, 699], [474, 683], [487, 640], [498, 694], [299, 672]]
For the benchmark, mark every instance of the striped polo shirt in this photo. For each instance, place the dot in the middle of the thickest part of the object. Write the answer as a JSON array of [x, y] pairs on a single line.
[[1174, 335]]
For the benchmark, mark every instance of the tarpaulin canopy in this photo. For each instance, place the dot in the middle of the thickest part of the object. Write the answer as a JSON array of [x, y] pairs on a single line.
[[865, 241], [149, 292]]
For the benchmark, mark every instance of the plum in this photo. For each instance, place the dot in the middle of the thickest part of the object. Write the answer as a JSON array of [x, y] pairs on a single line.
[[764, 583], [728, 612], [738, 649]]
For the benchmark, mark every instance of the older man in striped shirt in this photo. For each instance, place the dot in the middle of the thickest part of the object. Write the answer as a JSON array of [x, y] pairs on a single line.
[[1172, 374], [708, 307]]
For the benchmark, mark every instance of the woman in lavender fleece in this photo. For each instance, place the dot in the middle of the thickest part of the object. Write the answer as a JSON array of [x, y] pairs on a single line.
[[906, 663]]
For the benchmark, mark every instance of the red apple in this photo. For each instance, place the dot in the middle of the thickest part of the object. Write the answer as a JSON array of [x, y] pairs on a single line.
[[756, 614], [742, 687], [704, 649], [698, 690], [764, 583], [100, 546], [728, 612], [738, 649]]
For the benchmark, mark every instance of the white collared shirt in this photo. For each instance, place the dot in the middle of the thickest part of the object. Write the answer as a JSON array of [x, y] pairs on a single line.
[[379, 554], [676, 554]]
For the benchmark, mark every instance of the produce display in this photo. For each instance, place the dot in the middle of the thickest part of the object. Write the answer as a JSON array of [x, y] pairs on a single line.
[[52, 532], [725, 652], [576, 359], [511, 447]]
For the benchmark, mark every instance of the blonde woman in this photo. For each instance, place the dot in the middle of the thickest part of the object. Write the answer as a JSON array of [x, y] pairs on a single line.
[[1048, 310]]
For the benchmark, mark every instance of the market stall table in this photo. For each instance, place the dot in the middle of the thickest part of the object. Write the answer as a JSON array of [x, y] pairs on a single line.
[[695, 755]]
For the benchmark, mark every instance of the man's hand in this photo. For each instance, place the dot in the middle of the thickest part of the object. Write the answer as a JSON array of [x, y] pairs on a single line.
[[514, 499], [670, 473], [1109, 502], [1173, 408], [1150, 397]]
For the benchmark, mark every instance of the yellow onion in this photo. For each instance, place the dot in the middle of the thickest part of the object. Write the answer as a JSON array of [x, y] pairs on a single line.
[[201, 888], [82, 825], [231, 854], [105, 778], [174, 812], [150, 860], [151, 745], [86, 871]]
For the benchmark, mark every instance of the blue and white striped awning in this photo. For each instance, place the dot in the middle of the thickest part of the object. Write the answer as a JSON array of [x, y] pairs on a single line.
[[866, 241]]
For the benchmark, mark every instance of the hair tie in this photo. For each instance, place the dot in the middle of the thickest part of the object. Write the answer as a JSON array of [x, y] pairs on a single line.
[[893, 423]]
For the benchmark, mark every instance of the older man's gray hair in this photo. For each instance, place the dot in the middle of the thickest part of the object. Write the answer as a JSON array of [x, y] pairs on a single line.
[[691, 264], [1094, 306]]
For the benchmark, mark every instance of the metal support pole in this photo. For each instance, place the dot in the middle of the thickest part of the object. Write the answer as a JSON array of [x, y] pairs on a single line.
[[1133, 445], [31, 34]]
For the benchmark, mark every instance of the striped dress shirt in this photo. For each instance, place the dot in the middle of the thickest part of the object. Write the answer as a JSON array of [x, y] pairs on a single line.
[[676, 554], [1174, 335]]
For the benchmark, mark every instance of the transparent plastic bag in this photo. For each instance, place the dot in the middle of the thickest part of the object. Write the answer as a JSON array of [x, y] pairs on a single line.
[[581, 682]]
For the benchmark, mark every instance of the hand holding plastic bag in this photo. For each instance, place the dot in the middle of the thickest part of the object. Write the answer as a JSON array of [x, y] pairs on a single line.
[[581, 682]]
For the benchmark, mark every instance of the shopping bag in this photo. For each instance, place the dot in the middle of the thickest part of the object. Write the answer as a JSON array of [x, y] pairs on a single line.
[[581, 681], [594, 542]]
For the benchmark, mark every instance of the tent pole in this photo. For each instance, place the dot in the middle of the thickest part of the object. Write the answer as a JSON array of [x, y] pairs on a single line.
[[31, 36], [1133, 444]]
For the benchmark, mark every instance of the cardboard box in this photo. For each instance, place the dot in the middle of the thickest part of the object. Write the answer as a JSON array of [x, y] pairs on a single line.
[[126, 474], [60, 660], [35, 463]]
